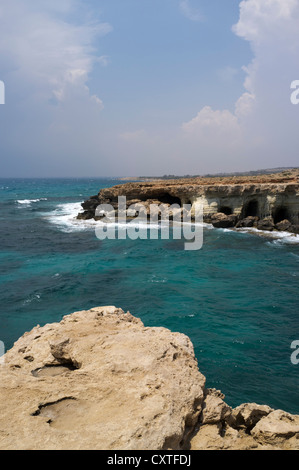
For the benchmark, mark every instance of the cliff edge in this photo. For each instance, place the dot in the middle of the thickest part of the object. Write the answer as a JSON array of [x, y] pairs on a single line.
[[100, 379], [266, 202]]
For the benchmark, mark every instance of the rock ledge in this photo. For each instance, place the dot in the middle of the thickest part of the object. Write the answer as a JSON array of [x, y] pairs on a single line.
[[100, 379]]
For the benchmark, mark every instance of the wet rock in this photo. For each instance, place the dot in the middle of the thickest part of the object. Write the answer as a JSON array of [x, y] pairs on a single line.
[[221, 220], [283, 226], [294, 229], [247, 222], [266, 224]]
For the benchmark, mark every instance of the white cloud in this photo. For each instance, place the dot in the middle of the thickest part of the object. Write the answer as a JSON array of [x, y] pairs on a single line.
[[263, 124], [48, 53], [245, 105], [53, 118], [261, 18], [41, 47], [193, 14], [211, 124]]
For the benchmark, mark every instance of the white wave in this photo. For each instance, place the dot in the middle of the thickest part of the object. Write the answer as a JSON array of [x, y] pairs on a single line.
[[157, 280], [28, 202], [275, 237], [135, 224], [197, 224], [65, 217], [238, 341], [32, 298]]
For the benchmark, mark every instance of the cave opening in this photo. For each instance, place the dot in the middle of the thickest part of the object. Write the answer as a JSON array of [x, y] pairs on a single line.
[[225, 210], [251, 209], [281, 213], [166, 198]]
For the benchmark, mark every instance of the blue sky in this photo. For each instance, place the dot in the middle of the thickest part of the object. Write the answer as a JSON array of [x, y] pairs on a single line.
[[147, 87], [163, 65]]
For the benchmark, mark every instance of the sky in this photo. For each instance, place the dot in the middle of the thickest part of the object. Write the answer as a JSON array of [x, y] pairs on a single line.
[[147, 87]]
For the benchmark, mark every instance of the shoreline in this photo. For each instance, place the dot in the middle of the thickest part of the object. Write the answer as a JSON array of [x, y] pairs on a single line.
[[65, 217], [264, 202]]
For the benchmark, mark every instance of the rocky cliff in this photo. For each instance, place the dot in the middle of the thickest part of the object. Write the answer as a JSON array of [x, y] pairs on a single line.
[[267, 202], [100, 379]]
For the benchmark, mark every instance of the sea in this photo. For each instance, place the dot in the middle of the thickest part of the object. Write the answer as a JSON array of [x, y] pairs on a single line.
[[236, 297]]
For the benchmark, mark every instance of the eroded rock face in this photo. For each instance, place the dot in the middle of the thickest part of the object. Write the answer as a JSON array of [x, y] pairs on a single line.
[[278, 428], [266, 200], [99, 380], [248, 427], [249, 414], [221, 220]]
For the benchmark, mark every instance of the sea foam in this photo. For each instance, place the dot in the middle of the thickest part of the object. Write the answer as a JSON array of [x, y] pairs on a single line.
[[28, 202]]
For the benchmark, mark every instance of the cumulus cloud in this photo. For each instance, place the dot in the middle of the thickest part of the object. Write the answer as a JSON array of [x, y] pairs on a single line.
[[263, 123], [39, 45], [51, 115], [47, 55], [260, 19], [210, 125]]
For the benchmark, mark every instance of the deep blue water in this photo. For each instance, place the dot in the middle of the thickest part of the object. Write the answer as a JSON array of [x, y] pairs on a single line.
[[236, 298]]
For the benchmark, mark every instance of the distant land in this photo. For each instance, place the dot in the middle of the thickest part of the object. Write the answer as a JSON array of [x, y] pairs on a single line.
[[265, 171]]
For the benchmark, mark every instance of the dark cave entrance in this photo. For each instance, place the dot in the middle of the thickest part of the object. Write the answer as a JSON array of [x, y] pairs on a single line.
[[166, 198], [225, 210], [251, 209], [281, 213]]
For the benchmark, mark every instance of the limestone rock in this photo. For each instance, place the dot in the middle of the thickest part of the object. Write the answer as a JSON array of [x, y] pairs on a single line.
[[248, 415], [278, 428], [266, 224], [247, 222], [99, 379], [243, 198], [221, 220], [284, 225], [294, 229], [215, 437], [248, 427], [214, 409]]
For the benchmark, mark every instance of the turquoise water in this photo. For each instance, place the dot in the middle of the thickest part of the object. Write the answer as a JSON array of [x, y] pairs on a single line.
[[236, 298]]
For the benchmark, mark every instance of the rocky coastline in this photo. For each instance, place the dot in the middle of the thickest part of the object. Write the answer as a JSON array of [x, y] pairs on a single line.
[[264, 202], [101, 380]]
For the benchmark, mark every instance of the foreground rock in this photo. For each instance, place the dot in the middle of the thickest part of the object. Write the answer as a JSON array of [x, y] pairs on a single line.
[[100, 379]]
